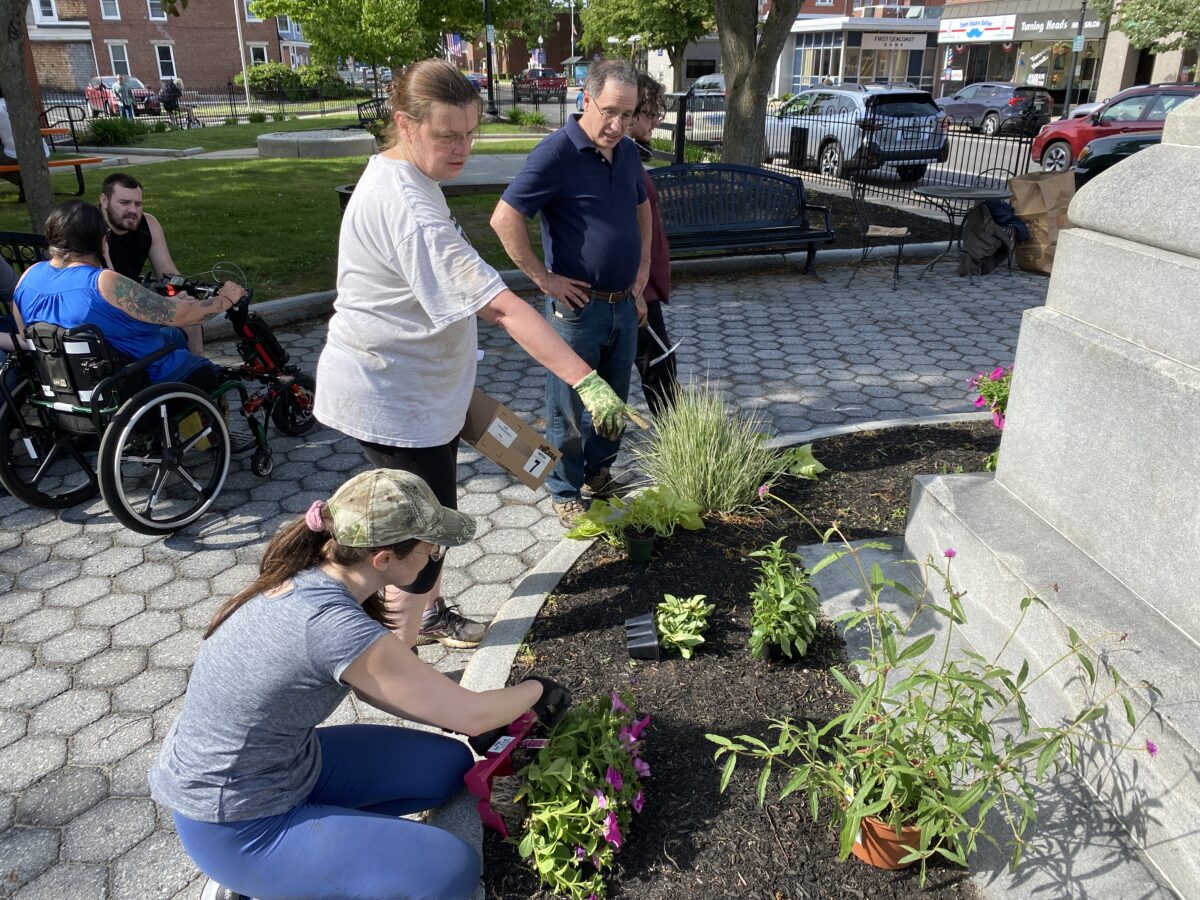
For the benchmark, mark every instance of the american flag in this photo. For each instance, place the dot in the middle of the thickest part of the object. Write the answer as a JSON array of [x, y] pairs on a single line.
[[454, 44]]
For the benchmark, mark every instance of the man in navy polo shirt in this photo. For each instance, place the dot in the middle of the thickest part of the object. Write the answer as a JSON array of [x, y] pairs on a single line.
[[586, 181]]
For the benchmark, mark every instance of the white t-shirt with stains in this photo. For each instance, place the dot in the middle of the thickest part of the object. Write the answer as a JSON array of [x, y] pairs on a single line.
[[398, 366]]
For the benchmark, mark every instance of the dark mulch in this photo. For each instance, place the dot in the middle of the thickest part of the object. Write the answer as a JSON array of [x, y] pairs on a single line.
[[692, 841]]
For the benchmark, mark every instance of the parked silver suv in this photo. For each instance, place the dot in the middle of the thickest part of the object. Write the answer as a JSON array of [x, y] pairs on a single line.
[[859, 127]]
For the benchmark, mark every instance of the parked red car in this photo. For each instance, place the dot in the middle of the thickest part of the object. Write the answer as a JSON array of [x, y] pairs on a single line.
[[102, 100], [1059, 144]]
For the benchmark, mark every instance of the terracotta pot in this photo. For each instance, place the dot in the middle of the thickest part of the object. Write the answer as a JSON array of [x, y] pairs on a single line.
[[878, 845]]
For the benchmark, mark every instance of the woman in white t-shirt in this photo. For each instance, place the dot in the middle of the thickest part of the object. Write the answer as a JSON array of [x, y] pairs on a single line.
[[398, 366]]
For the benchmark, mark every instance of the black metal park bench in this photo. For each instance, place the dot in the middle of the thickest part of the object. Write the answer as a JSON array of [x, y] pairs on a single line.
[[373, 112], [719, 209], [21, 249]]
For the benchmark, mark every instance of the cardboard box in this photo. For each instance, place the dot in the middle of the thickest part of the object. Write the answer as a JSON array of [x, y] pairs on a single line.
[[503, 437]]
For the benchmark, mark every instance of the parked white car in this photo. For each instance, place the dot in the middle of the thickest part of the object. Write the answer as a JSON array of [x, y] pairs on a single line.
[[704, 122]]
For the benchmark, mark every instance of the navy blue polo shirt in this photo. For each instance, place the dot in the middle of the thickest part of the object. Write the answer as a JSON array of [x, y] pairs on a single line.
[[588, 206]]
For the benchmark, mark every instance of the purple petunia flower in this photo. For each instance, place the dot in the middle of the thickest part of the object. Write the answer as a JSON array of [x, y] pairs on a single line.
[[997, 373], [638, 802], [998, 420], [640, 766], [580, 853], [617, 704], [613, 777], [1152, 749], [625, 736], [949, 553], [639, 726], [980, 401], [601, 800], [612, 831]]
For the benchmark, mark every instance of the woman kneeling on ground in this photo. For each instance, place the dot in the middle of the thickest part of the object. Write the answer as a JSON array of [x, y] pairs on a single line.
[[268, 804]]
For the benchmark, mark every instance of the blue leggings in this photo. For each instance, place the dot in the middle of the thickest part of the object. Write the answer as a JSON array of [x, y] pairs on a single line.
[[346, 840]]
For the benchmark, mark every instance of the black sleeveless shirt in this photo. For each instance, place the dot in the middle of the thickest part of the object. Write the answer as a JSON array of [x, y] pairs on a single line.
[[129, 251]]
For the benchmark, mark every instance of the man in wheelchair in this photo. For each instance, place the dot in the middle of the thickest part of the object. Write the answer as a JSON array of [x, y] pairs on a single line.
[[74, 288]]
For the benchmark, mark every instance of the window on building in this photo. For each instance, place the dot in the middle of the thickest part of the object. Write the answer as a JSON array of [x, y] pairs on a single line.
[[166, 60], [251, 16], [45, 11], [118, 55], [258, 53], [695, 68], [154, 9], [285, 24], [110, 9]]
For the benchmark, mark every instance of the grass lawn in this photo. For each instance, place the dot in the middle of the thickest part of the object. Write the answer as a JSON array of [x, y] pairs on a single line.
[[277, 218]]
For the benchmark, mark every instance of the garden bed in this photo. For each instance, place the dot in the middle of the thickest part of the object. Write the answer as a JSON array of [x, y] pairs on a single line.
[[691, 840]]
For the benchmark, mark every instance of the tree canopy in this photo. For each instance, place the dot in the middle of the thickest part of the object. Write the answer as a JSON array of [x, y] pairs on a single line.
[[667, 24], [1158, 25]]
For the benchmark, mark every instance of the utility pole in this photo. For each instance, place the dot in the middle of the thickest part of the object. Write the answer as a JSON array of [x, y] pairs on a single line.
[[1076, 46], [489, 34], [238, 6]]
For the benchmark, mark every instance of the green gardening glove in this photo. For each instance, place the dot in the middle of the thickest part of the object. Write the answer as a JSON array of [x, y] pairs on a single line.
[[607, 409]]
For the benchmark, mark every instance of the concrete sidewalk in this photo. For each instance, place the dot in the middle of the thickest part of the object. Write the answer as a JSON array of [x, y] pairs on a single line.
[[101, 625]]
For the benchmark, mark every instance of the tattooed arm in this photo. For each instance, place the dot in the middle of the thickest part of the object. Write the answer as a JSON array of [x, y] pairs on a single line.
[[146, 305]]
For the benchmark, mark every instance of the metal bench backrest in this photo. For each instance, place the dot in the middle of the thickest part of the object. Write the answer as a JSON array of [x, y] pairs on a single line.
[[373, 111], [718, 195], [69, 365], [21, 250]]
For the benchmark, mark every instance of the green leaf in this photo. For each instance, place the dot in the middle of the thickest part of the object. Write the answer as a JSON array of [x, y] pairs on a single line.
[[525, 848], [1046, 757], [1129, 716], [916, 648], [1089, 668], [1024, 673], [727, 773], [763, 777], [1073, 635]]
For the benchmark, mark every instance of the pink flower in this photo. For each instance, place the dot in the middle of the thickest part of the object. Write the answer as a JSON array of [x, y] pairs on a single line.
[[613, 777], [949, 553], [997, 373], [762, 491], [601, 800], [998, 420], [1152, 749], [612, 831], [617, 704], [980, 401], [625, 736], [638, 802], [640, 726], [639, 766], [580, 853]]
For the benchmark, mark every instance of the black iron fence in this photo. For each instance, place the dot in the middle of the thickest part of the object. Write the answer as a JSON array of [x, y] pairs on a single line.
[[890, 155], [530, 107]]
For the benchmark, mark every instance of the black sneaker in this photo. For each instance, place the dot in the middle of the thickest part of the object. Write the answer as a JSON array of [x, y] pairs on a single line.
[[451, 628], [603, 485]]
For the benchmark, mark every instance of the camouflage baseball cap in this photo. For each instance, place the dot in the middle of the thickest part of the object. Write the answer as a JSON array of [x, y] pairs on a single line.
[[382, 507]]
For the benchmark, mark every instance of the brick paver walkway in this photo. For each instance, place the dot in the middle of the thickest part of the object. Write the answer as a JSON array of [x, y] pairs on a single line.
[[100, 625]]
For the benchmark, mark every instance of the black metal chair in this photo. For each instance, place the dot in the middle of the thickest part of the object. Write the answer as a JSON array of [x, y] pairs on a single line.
[[872, 234]]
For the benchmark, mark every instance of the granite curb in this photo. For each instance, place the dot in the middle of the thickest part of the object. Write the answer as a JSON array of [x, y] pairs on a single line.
[[304, 307], [144, 151]]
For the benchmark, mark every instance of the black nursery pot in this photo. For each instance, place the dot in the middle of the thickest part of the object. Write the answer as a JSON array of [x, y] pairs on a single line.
[[773, 653], [641, 636], [639, 545]]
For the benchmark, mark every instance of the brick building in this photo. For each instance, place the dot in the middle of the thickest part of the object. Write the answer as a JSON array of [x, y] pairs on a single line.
[[73, 40]]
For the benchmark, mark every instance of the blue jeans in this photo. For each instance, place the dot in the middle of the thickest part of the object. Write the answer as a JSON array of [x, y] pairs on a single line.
[[346, 839], [126, 110], [605, 336]]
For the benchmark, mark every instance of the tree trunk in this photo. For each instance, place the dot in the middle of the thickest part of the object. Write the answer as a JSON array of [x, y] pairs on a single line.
[[675, 55], [39, 198], [748, 62]]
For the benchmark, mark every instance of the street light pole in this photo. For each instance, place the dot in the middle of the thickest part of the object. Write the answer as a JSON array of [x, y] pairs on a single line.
[[489, 35], [1074, 56]]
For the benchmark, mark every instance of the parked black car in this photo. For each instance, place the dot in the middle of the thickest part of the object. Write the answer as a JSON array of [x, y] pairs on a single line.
[[999, 107], [1103, 153]]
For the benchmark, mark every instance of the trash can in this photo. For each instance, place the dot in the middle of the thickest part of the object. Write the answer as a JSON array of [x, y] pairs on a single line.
[[798, 147], [344, 191]]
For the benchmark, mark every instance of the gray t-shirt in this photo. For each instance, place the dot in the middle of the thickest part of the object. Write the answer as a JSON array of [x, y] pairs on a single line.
[[244, 746]]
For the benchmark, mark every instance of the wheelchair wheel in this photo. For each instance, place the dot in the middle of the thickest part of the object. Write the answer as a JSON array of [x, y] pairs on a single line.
[[41, 464], [293, 412], [164, 458]]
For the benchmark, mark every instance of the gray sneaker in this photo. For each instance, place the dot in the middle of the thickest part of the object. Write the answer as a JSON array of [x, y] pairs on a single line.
[[602, 485], [568, 511], [451, 629]]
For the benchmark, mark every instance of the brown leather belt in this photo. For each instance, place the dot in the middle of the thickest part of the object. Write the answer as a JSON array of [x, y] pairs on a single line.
[[609, 296]]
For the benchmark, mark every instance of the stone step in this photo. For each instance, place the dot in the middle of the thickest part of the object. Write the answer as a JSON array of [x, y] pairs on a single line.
[[1006, 552]]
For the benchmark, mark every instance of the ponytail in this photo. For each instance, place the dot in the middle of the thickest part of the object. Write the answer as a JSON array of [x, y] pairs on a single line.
[[298, 546]]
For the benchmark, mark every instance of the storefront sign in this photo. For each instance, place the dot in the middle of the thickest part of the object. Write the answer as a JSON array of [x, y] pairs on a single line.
[[979, 29], [878, 41], [1059, 26]]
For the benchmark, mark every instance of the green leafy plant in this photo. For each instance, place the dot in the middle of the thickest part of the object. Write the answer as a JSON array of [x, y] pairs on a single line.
[[785, 605], [534, 118], [932, 739], [681, 622], [993, 391], [231, 120], [516, 116], [256, 118], [656, 510], [709, 455], [800, 462], [116, 132], [582, 791], [279, 117]]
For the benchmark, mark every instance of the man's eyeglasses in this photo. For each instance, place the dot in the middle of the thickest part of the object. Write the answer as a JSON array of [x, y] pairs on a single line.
[[655, 115], [612, 115], [434, 553]]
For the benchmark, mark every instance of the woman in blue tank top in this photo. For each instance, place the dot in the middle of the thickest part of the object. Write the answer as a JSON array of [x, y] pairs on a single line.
[[73, 288]]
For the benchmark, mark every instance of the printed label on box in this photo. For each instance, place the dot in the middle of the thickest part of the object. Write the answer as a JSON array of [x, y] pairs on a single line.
[[536, 463], [502, 433], [501, 743]]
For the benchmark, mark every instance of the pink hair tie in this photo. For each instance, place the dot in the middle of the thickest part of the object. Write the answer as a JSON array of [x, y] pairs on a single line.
[[313, 518]]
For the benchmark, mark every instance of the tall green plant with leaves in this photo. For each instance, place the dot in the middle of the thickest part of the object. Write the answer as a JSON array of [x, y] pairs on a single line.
[[785, 605], [932, 738], [657, 510]]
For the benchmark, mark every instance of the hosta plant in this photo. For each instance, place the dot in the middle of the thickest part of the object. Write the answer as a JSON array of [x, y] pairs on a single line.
[[785, 606], [933, 738], [581, 792], [681, 622], [655, 510]]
